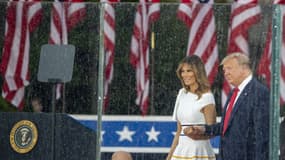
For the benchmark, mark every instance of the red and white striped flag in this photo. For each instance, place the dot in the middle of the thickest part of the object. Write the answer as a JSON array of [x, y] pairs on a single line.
[[22, 18], [264, 69], [200, 20], [109, 45], [65, 15], [147, 13], [244, 14]]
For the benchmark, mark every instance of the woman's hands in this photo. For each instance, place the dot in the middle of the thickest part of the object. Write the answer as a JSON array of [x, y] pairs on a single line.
[[195, 132]]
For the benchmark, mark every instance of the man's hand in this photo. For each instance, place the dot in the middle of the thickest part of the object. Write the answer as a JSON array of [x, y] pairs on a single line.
[[195, 132]]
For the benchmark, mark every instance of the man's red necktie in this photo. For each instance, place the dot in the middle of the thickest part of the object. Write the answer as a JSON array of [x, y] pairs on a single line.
[[229, 110]]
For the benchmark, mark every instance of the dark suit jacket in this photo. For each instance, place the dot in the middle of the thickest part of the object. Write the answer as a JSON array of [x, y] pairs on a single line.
[[247, 135]]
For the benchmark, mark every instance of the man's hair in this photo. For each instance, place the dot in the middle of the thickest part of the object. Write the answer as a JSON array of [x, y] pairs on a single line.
[[36, 99], [240, 57]]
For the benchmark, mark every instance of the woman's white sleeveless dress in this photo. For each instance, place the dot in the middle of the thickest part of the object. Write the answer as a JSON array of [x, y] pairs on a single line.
[[187, 112]]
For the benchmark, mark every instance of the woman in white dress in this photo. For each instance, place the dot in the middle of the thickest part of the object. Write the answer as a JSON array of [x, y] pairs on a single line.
[[195, 105]]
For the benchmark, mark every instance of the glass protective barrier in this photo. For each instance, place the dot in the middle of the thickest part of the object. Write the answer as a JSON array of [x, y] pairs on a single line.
[[124, 79]]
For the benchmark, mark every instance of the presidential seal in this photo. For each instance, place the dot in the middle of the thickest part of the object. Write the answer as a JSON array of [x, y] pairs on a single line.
[[23, 136]]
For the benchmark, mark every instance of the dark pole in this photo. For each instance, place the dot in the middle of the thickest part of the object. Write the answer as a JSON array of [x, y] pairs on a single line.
[[53, 120], [63, 98]]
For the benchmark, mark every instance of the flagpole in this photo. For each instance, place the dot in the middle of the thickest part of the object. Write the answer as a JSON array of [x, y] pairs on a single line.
[[152, 109], [100, 82], [274, 134]]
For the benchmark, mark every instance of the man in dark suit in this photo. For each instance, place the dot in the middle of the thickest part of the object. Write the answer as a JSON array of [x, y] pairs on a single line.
[[244, 127]]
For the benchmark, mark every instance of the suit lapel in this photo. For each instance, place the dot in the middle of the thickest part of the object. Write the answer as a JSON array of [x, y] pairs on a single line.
[[239, 101]]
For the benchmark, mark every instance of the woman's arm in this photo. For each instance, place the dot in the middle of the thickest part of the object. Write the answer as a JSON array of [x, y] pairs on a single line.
[[175, 141], [210, 114]]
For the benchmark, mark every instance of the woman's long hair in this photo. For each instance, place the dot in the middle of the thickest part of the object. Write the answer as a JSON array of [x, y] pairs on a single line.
[[198, 68]]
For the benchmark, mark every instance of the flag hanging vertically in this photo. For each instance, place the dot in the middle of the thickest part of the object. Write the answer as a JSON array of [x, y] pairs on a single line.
[[65, 15], [202, 41], [147, 13], [21, 19], [244, 14], [264, 67], [109, 45]]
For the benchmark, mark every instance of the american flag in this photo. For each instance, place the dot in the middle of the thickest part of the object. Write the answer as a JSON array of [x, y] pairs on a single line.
[[264, 69], [65, 15], [200, 20], [147, 13], [244, 14], [22, 18], [109, 45]]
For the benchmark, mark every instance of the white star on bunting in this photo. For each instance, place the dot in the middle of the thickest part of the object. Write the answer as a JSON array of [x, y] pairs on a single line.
[[152, 135], [125, 134]]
